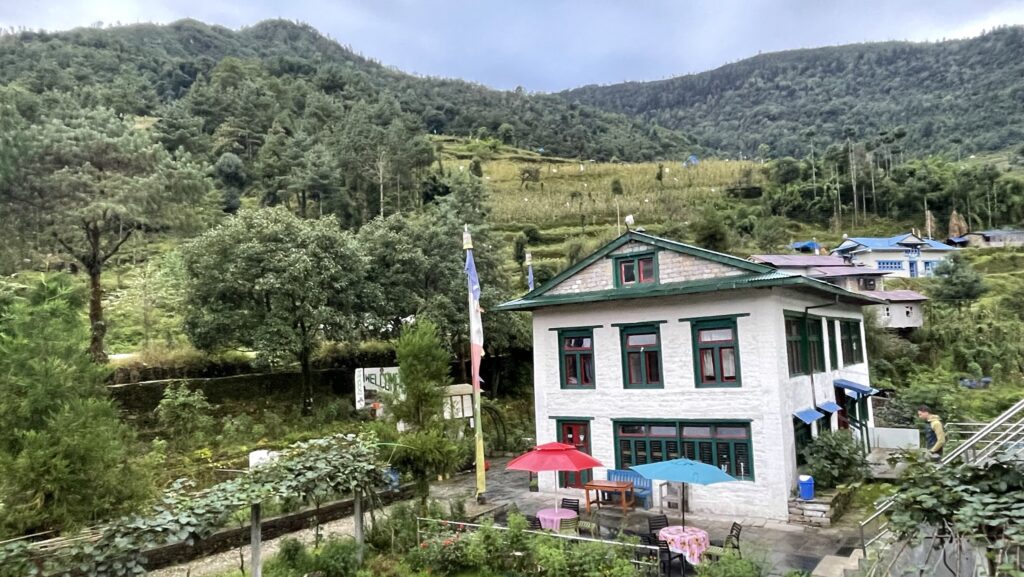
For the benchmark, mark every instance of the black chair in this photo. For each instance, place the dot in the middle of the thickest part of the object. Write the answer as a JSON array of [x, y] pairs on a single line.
[[534, 523], [731, 543], [571, 504], [666, 556], [656, 523]]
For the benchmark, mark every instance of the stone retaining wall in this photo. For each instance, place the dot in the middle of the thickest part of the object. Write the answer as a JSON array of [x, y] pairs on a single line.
[[824, 509]]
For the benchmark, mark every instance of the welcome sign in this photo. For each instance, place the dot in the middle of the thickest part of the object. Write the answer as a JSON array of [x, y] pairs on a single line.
[[369, 383]]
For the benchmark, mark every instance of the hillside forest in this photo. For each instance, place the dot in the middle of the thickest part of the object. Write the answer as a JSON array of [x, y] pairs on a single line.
[[192, 197]]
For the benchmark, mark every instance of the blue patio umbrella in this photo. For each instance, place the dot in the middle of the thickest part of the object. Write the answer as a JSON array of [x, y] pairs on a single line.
[[683, 471]]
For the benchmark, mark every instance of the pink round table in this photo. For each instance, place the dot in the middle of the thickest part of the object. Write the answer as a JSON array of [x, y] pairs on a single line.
[[551, 518], [691, 542]]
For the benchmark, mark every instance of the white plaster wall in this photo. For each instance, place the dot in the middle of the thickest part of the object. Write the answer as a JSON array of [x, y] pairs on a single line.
[[898, 317], [767, 397], [871, 258]]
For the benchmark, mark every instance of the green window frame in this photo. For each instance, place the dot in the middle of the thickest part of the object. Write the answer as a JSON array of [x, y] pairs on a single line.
[[576, 359], [724, 444], [833, 347], [635, 269], [805, 346], [816, 344], [716, 353], [641, 357], [853, 346]]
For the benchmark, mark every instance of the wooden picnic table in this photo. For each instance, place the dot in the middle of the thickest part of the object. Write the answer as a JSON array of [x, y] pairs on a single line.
[[623, 488]]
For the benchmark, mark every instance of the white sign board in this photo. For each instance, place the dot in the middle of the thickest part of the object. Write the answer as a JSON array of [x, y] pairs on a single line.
[[370, 382], [458, 402]]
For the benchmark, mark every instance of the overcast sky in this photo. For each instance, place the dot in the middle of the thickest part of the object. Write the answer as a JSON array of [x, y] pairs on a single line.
[[551, 45]]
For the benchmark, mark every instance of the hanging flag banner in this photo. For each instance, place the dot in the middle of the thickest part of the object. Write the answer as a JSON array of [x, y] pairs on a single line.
[[529, 271], [476, 352]]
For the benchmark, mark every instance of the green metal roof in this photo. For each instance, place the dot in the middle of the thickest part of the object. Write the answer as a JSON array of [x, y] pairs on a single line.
[[757, 276]]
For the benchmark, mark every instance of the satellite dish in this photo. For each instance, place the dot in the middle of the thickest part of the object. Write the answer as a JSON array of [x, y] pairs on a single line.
[[629, 220]]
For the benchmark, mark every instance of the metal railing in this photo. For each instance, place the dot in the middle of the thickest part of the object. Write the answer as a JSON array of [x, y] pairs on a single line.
[[980, 441], [645, 557]]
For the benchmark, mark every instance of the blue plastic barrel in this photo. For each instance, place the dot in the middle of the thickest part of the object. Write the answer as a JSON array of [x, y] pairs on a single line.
[[806, 487]]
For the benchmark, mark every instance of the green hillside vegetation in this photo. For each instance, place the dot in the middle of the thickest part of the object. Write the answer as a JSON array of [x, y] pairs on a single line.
[[949, 96], [276, 70]]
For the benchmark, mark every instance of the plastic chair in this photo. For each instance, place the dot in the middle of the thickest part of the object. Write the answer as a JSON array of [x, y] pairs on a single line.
[[656, 523], [571, 504], [569, 526], [534, 523], [731, 543]]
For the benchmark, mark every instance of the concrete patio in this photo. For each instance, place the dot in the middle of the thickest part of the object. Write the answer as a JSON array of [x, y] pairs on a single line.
[[823, 552]]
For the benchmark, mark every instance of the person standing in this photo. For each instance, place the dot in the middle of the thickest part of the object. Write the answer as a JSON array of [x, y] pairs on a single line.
[[935, 436]]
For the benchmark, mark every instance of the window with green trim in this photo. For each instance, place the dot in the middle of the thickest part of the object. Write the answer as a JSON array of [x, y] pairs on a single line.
[[716, 353], [816, 344], [576, 358], [853, 347], [833, 347], [632, 270], [724, 445], [805, 347], [641, 357]]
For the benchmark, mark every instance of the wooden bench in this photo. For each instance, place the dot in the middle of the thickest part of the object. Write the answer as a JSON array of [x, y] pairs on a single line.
[[641, 486]]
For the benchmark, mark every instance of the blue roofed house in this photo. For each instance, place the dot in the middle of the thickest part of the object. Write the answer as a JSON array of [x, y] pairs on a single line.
[[649, 350], [904, 255]]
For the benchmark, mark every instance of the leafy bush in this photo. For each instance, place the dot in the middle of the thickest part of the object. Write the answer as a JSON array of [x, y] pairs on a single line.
[[67, 459], [730, 565], [835, 457], [184, 414]]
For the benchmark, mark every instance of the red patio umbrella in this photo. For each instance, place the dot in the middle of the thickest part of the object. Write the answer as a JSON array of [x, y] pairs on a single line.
[[553, 457]]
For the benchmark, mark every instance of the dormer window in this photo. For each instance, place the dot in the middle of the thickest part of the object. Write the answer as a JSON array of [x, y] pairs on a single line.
[[635, 270]]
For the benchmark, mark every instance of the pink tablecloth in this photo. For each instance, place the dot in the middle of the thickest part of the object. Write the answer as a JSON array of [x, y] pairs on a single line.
[[690, 541], [551, 518]]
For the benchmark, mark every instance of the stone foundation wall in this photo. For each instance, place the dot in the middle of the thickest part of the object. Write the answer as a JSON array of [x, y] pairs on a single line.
[[824, 509]]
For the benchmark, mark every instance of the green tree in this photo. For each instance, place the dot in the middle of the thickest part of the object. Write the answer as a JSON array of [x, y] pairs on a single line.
[[507, 133], [770, 233], [67, 458], [425, 449], [710, 232], [955, 282], [271, 282], [94, 180]]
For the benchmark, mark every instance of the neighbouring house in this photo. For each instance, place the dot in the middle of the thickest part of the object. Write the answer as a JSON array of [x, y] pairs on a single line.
[[989, 239], [904, 255], [650, 349], [903, 309]]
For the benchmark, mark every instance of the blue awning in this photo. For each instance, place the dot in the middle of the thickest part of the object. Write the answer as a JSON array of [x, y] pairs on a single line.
[[829, 406], [808, 415], [855, 387]]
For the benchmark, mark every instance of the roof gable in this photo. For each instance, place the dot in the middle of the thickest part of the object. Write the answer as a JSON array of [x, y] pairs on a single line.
[[677, 262], [683, 269], [899, 242]]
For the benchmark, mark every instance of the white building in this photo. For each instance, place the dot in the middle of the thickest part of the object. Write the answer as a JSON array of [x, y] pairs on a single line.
[[904, 255], [903, 309], [650, 350]]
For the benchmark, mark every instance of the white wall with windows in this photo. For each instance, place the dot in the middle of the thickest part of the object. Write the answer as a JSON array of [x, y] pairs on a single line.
[[903, 263], [703, 376]]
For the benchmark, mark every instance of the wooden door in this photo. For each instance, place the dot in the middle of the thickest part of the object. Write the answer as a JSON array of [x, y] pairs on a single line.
[[576, 434]]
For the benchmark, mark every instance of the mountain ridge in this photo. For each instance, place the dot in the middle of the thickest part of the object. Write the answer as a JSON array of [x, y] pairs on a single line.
[[869, 87]]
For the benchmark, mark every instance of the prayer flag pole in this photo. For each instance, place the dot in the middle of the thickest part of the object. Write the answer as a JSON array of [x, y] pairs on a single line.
[[476, 348]]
